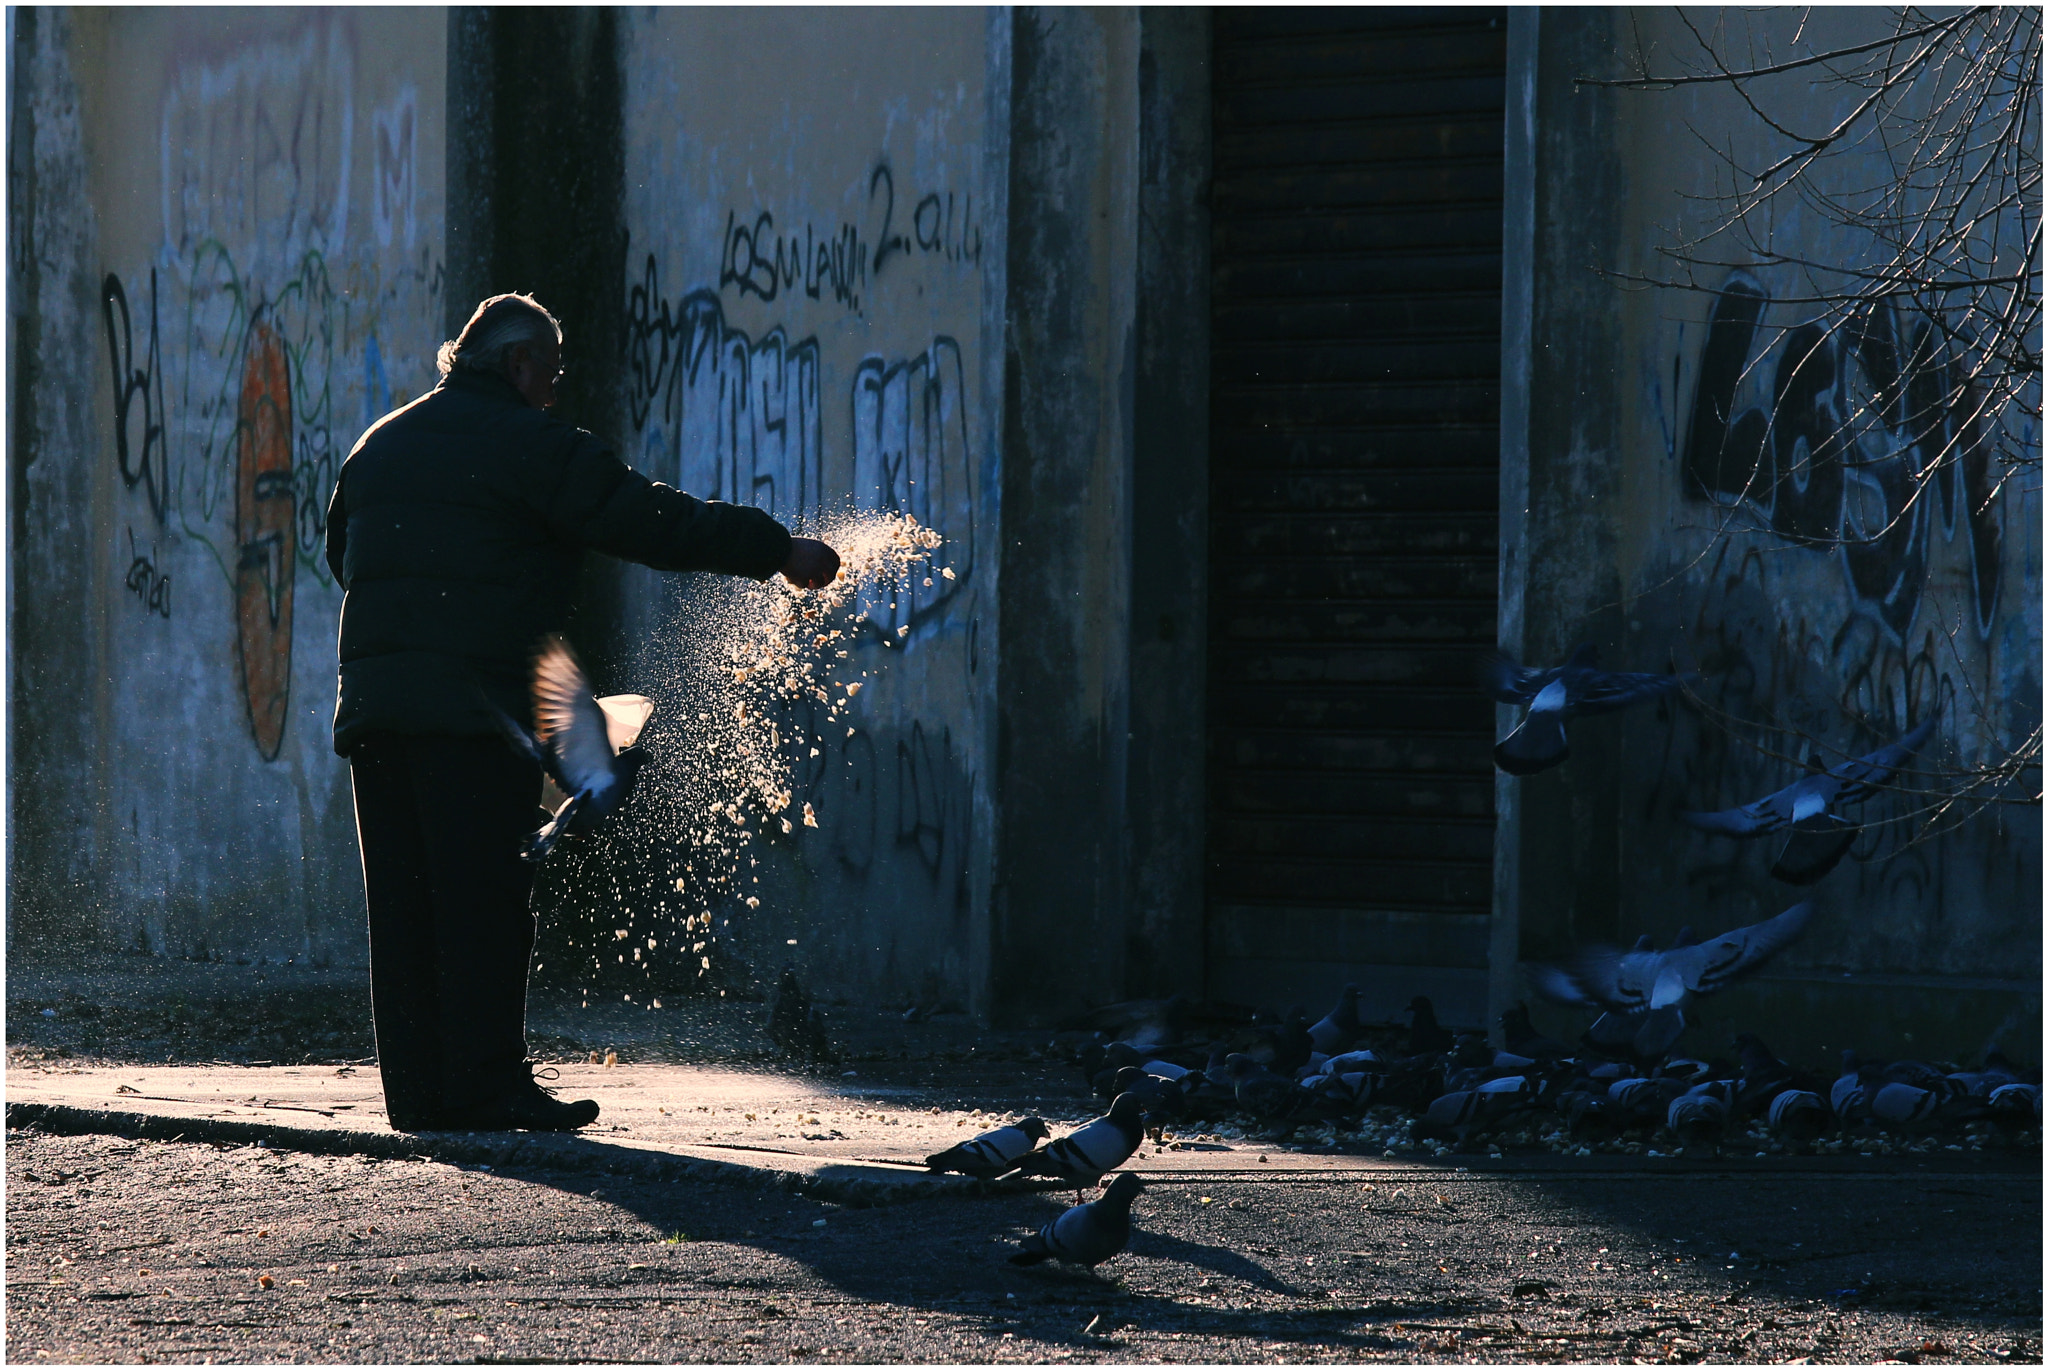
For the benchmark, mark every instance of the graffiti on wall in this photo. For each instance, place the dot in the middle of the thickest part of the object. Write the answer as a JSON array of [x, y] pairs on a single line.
[[1832, 453], [139, 450], [265, 550], [726, 416], [756, 258], [394, 183], [232, 374], [1855, 453], [730, 415], [910, 456], [722, 415], [151, 587]]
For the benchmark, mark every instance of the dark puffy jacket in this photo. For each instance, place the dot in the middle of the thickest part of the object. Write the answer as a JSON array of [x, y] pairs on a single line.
[[456, 530]]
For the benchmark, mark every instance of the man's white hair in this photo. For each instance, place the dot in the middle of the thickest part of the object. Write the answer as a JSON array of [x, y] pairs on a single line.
[[499, 324]]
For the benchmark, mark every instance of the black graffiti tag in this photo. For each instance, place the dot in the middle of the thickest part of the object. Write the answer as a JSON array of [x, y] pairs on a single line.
[[138, 395], [152, 588], [1858, 416]]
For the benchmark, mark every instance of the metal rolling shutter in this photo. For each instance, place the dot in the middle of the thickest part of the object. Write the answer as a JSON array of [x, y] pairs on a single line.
[[1354, 503]]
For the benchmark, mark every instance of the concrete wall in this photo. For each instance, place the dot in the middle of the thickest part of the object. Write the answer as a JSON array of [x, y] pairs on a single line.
[[813, 275], [798, 265], [226, 260], [1805, 628]]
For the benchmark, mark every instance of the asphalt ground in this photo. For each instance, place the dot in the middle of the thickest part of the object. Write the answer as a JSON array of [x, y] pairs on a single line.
[[122, 1251], [125, 1249]]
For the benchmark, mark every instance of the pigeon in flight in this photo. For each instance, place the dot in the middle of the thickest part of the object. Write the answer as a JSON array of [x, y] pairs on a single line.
[[992, 1153], [1634, 981], [1555, 697], [1093, 1149], [1086, 1234], [1820, 836], [586, 745]]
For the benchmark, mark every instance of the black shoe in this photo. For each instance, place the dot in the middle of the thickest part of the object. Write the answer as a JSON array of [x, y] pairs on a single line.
[[530, 1107]]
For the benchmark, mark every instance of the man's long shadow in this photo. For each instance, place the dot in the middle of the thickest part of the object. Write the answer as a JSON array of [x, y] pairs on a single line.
[[950, 1252], [945, 1253]]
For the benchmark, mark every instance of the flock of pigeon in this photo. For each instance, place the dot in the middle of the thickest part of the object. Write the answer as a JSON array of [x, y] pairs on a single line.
[[1452, 1091], [1623, 1083], [1622, 1078]]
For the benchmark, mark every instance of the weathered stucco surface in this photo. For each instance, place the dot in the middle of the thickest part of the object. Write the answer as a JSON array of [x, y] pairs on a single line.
[[238, 217]]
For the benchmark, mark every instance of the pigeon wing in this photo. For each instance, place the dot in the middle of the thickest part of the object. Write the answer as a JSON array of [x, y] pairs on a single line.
[[1559, 987], [1732, 955], [1618, 980], [1510, 682], [1597, 692], [1859, 777], [624, 717], [571, 723], [1812, 849], [1768, 814]]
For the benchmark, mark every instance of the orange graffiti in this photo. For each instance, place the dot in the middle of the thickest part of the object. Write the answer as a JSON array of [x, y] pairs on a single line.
[[265, 533]]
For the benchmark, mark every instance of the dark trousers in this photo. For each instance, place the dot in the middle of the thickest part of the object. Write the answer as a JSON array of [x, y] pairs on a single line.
[[440, 821]]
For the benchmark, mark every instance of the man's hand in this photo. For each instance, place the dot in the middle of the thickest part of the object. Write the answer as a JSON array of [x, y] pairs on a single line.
[[811, 564]]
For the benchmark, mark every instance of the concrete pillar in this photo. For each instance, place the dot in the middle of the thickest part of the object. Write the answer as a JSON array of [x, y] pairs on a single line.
[[1170, 509], [1057, 922]]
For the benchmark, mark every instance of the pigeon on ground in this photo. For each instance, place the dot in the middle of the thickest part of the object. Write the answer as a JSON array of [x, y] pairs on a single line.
[[1644, 1099], [1685, 1069], [1978, 1084], [1797, 1115], [1699, 1118], [795, 1024], [1148, 1024], [1338, 1028], [1086, 1234], [1342, 1095], [1426, 1034], [2017, 1105], [1509, 1094], [1292, 1044], [1556, 696], [992, 1153], [1523, 1039], [1261, 1092], [1919, 1074], [587, 746], [1849, 1097], [1093, 1149], [1462, 1112], [1810, 808], [1165, 1101], [1642, 1037], [1450, 1115], [1897, 1104], [1636, 981], [1764, 1076], [1588, 1115], [1353, 1060]]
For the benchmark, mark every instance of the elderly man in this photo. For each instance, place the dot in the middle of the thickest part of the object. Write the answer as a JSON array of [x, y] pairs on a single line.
[[456, 529]]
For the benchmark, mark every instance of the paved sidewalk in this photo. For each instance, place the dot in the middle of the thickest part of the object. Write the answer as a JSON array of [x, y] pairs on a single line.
[[847, 1141]]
